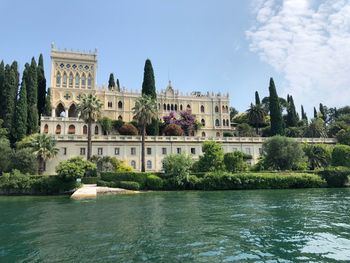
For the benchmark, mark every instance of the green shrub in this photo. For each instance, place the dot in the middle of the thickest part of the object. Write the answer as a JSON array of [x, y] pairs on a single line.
[[74, 168], [336, 176], [213, 157], [129, 185], [153, 182], [282, 153], [341, 155], [234, 161], [17, 183], [177, 167], [90, 180], [24, 160], [110, 164], [228, 181]]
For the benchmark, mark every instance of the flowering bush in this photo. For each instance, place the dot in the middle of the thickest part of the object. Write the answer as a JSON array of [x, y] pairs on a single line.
[[187, 121]]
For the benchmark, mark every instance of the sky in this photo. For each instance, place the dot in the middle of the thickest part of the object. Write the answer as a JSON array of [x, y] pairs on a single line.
[[232, 46]]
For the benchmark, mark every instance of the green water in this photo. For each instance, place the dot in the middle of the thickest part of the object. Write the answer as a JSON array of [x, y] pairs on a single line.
[[234, 226]]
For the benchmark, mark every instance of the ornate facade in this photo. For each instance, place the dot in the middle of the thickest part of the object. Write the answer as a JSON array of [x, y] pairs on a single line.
[[74, 74]]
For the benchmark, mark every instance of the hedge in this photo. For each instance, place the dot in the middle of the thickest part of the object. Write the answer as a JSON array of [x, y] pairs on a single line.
[[147, 181], [19, 184], [336, 176], [90, 180], [231, 181]]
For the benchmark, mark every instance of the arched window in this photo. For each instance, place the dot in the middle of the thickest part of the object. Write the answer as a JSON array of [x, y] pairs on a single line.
[[202, 109], [223, 108], [216, 109], [60, 110], [46, 128], [71, 129], [70, 80], [96, 130], [77, 81], [120, 105], [84, 129], [133, 164], [181, 107], [72, 111], [217, 122], [64, 80], [175, 107], [120, 118], [188, 106], [89, 82], [227, 122], [168, 107], [149, 164], [58, 129], [224, 122], [164, 106], [218, 134], [172, 106], [83, 81], [158, 106], [58, 79], [203, 122], [203, 134]]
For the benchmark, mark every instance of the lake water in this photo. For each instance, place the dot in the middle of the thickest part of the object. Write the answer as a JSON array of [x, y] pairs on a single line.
[[311, 225]]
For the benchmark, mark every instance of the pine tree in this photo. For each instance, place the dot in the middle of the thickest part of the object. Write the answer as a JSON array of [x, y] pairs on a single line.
[[275, 111], [2, 77], [41, 86], [48, 108], [19, 125], [111, 82], [257, 98], [32, 97], [315, 113], [148, 85], [10, 94], [292, 115], [118, 86]]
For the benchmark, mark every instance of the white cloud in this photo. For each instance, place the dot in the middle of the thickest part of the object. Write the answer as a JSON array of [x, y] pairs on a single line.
[[309, 43]]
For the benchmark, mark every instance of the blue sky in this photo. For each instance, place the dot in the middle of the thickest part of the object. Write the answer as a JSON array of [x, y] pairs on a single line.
[[204, 46]]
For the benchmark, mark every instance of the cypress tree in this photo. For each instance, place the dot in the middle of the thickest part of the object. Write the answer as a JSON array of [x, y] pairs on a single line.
[[14, 67], [2, 77], [323, 112], [118, 86], [292, 115], [257, 98], [41, 86], [111, 82], [148, 85], [275, 111], [315, 113], [48, 108], [10, 94], [303, 114], [32, 97], [19, 126]]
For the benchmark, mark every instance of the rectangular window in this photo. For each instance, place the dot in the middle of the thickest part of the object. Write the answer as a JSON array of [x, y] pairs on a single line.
[[117, 151], [99, 151], [133, 151], [64, 150], [178, 150], [149, 151], [164, 151], [82, 151], [110, 105], [193, 150]]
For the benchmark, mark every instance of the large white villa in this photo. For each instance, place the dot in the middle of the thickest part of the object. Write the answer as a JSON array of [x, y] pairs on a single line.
[[73, 73]]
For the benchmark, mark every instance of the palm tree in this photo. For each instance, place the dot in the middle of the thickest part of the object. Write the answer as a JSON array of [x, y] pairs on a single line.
[[43, 147], [89, 109], [256, 115], [145, 111]]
